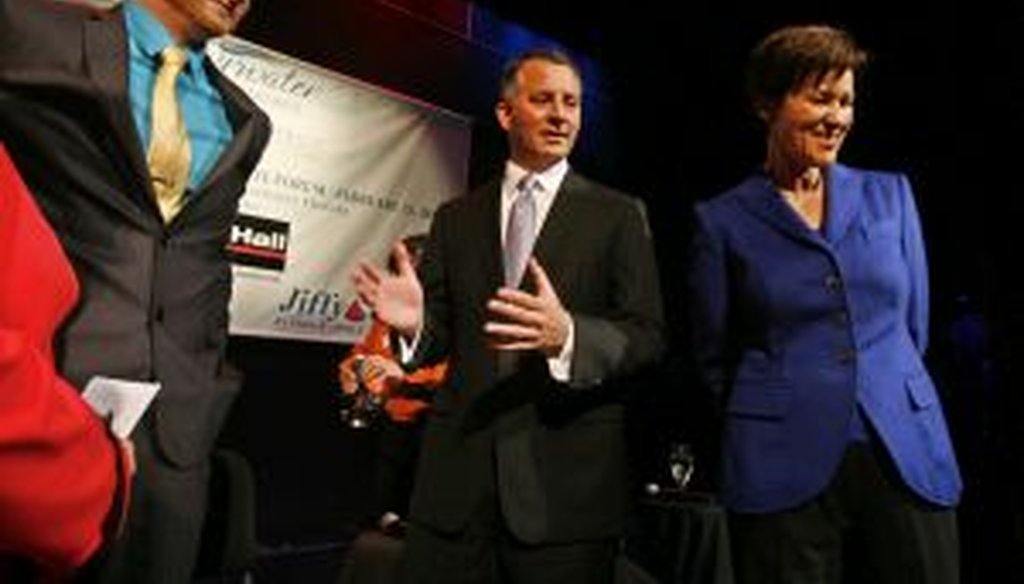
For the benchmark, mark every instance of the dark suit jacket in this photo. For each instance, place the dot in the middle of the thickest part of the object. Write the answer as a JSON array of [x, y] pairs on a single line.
[[796, 328], [154, 298], [558, 448]]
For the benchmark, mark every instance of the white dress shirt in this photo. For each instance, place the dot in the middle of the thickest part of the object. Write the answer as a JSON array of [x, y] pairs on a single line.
[[548, 182]]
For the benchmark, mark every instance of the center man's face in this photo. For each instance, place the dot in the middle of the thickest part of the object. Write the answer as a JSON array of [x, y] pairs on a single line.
[[541, 113], [212, 18]]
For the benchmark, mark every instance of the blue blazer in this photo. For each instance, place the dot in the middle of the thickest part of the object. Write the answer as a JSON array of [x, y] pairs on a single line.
[[796, 328]]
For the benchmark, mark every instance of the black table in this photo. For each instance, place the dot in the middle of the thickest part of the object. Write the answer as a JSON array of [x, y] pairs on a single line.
[[372, 559], [676, 538], [681, 538]]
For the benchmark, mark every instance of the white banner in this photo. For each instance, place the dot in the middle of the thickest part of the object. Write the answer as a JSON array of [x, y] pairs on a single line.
[[349, 169]]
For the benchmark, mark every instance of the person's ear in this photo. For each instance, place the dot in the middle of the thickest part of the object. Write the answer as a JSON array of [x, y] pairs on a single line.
[[503, 111]]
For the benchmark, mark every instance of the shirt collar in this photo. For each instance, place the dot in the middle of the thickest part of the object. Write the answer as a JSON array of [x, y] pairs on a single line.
[[549, 179], [151, 37]]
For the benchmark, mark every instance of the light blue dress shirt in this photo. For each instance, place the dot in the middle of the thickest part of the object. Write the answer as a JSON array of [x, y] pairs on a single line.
[[206, 118]]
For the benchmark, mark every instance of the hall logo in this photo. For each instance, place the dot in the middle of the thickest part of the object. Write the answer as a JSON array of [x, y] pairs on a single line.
[[259, 242]]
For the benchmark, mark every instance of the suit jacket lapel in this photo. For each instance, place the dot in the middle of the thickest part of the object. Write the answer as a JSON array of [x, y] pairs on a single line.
[[552, 243], [760, 197], [484, 230], [240, 110], [493, 257], [106, 62], [842, 204], [106, 59]]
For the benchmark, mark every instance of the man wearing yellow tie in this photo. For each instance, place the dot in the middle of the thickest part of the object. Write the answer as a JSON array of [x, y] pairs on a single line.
[[137, 150]]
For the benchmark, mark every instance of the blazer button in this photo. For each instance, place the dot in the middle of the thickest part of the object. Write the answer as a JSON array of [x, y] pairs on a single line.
[[833, 283], [846, 356], [158, 314], [842, 318]]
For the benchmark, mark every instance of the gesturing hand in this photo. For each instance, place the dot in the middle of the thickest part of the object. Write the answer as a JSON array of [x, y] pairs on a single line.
[[522, 321], [396, 299]]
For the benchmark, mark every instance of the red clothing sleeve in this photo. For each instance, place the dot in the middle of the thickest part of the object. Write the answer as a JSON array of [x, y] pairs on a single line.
[[59, 468]]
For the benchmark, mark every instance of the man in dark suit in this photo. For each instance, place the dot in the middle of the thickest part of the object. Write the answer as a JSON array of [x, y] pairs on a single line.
[[522, 474], [78, 113]]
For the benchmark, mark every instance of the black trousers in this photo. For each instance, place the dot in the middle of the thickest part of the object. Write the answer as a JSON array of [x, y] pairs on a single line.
[[866, 527], [433, 558], [486, 552], [160, 542]]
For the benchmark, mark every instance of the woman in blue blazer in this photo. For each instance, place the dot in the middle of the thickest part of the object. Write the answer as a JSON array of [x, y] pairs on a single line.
[[810, 312]]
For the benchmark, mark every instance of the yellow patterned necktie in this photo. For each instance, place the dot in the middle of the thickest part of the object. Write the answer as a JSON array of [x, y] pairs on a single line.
[[169, 154]]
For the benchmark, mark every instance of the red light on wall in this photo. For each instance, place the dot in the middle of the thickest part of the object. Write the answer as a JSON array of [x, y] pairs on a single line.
[[452, 15]]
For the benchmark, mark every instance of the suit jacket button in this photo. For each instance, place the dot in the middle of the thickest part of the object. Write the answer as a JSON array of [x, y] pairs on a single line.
[[158, 314], [846, 356], [833, 283], [842, 318]]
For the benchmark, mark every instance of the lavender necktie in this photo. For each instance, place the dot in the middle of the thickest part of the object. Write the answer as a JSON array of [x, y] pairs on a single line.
[[521, 230]]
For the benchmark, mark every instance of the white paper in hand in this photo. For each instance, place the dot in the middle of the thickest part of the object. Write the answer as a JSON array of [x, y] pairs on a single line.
[[122, 400]]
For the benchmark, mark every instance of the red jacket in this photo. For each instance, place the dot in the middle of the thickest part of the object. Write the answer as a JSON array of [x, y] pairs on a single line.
[[59, 468]]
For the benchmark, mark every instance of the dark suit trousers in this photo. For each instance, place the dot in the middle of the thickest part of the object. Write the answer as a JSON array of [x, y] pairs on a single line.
[[865, 528], [486, 552], [433, 558], [160, 544]]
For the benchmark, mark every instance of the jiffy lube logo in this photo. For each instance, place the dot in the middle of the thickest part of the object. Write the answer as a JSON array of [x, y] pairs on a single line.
[[321, 312]]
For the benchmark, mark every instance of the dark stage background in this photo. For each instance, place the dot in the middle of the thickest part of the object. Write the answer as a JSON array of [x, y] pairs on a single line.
[[665, 120]]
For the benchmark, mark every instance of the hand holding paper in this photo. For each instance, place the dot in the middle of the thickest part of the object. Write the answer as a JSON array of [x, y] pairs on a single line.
[[120, 400]]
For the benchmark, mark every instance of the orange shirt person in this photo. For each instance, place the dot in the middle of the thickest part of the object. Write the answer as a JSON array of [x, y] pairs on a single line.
[[374, 358], [406, 398]]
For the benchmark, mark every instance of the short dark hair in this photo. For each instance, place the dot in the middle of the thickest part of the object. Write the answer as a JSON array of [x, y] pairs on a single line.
[[787, 57], [551, 55]]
